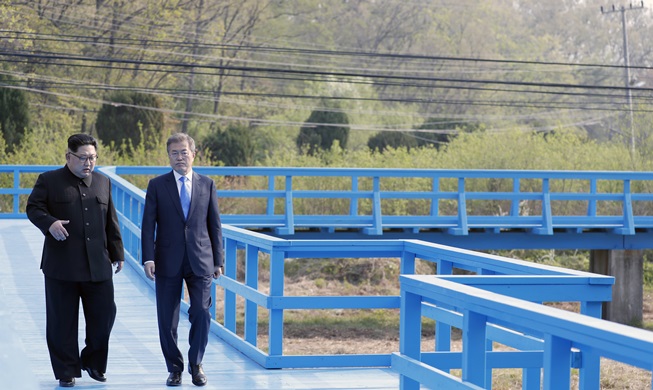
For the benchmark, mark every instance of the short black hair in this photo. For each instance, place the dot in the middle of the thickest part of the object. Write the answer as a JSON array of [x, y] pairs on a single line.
[[77, 140]]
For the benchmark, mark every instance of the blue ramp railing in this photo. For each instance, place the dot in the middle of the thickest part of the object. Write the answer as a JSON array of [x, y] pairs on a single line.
[[545, 341]]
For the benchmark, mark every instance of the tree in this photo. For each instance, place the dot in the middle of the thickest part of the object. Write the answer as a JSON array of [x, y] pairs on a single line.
[[321, 129], [132, 116], [440, 131], [391, 139], [14, 112], [234, 146]]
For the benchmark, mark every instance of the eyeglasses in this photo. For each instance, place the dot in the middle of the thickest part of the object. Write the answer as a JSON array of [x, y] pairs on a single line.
[[83, 159], [183, 154]]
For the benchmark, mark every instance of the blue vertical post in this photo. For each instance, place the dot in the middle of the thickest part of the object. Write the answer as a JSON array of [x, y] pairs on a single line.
[[290, 214], [591, 205], [589, 376], [547, 219], [443, 330], [377, 217], [435, 201], [557, 355], [275, 331], [407, 265], [410, 331], [16, 188], [514, 205], [353, 201], [629, 221], [474, 357], [231, 260], [270, 201], [251, 280], [461, 229], [531, 379]]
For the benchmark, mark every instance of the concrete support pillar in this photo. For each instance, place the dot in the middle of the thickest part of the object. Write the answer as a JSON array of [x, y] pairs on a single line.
[[627, 267]]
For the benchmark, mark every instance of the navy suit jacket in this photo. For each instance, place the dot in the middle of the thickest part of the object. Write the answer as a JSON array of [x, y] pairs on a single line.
[[165, 235]]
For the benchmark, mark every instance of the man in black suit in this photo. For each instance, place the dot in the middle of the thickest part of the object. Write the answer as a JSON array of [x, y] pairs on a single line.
[[181, 213], [73, 208]]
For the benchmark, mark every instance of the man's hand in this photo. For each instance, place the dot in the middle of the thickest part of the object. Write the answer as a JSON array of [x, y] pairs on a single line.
[[149, 270], [219, 272], [118, 265], [57, 230]]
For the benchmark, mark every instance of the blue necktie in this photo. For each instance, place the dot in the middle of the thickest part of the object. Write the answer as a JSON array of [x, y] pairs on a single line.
[[183, 196]]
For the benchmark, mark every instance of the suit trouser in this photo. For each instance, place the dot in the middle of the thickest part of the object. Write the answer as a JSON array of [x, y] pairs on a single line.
[[62, 314], [168, 300]]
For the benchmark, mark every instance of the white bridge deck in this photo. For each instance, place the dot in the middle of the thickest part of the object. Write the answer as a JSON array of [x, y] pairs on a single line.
[[135, 360]]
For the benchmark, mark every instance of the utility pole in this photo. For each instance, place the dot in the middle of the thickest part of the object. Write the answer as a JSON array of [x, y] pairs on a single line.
[[629, 96]]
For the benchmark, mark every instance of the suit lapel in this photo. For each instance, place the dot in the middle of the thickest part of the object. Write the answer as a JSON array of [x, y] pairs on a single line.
[[171, 187]]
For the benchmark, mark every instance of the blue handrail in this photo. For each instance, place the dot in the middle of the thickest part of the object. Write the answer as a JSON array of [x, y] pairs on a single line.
[[545, 341], [456, 202]]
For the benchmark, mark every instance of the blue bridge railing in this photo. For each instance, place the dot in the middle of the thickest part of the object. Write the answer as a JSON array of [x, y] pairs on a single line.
[[544, 341], [467, 208], [518, 287]]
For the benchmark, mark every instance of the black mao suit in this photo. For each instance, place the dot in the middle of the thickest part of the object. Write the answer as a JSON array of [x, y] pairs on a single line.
[[78, 267], [185, 249]]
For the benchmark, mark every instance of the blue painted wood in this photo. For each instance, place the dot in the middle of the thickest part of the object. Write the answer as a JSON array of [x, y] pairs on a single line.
[[411, 329], [135, 360], [474, 359], [561, 338], [275, 302], [251, 307], [557, 353], [630, 229]]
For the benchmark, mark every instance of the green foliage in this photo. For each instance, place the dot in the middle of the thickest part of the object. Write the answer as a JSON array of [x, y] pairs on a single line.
[[233, 146], [40, 146], [648, 273], [514, 149], [440, 131], [518, 149], [123, 121], [322, 129], [648, 268], [480, 150], [14, 112], [391, 139]]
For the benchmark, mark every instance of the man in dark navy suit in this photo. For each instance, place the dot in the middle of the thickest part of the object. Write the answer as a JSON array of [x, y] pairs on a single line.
[[182, 241], [73, 208]]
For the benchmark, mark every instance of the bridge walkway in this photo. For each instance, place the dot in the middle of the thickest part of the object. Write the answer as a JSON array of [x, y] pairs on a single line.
[[135, 359]]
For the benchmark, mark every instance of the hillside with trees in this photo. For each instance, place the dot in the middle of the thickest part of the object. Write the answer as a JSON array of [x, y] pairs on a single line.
[[268, 81]]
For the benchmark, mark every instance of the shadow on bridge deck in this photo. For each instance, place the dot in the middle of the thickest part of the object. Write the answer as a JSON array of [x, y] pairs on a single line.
[[135, 359]]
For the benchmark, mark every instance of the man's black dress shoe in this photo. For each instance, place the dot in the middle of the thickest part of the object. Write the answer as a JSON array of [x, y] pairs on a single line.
[[174, 379], [95, 374], [67, 382], [196, 371]]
